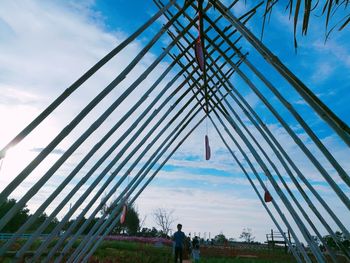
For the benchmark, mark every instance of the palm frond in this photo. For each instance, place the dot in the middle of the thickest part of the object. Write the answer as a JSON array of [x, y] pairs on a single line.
[[329, 9]]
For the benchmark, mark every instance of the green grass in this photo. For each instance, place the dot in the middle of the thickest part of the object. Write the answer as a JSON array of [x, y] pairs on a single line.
[[131, 252], [238, 260]]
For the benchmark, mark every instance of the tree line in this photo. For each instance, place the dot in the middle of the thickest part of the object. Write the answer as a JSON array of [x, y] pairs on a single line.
[[132, 225]]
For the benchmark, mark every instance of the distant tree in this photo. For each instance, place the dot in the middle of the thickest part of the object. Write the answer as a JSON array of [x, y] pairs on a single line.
[[132, 221], [40, 220], [19, 219], [247, 235], [331, 242], [220, 239], [164, 219], [148, 232]]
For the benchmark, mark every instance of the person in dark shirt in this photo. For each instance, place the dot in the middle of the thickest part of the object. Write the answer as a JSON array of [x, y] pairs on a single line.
[[179, 239], [195, 249]]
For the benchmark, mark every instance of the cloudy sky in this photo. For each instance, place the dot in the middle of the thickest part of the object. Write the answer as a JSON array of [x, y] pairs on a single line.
[[46, 45]]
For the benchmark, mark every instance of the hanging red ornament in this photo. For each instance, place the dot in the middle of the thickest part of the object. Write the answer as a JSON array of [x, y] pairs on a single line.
[[267, 196], [207, 148], [123, 217], [199, 53]]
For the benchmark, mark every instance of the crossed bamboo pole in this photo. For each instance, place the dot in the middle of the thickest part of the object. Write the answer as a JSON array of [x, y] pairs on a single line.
[[43, 154], [88, 237], [345, 177], [104, 228], [81, 80], [339, 192], [83, 252], [323, 111], [286, 222], [305, 215], [287, 168]]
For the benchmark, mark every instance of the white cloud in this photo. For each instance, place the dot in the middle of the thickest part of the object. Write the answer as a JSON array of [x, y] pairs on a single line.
[[322, 72], [48, 45]]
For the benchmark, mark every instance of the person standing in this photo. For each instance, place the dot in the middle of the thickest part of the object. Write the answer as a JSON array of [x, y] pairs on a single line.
[[195, 249], [179, 239]]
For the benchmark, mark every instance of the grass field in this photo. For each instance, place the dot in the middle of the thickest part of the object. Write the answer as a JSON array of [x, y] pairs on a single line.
[[132, 252], [111, 251]]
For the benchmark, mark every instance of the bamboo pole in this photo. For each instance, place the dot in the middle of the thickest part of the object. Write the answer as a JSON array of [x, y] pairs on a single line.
[[302, 146], [30, 127], [293, 251], [290, 245], [152, 66], [117, 209], [89, 237], [87, 222], [306, 257], [272, 181], [280, 157], [345, 177], [83, 180], [323, 111], [43, 154], [267, 157], [114, 222], [292, 163], [100, 177]]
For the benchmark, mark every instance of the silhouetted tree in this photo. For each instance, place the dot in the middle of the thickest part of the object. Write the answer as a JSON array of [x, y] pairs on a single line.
[[19, 219], [247, 235], [331, 242], [41, 219], [164, 219], [220, 239]]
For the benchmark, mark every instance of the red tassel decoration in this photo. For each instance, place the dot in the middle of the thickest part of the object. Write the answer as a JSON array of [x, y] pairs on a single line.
[[123, 217], [199, 53], [267, 197], [207, 148]]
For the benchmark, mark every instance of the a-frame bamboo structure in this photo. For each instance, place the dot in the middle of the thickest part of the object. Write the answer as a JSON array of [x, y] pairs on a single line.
[[189, 97]]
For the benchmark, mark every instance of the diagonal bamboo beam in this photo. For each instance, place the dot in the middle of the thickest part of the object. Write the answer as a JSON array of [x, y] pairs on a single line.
[[253, 185], [302, 146], [89, 237], [116, 219], [281, 214], [285, 166], [299, 246], [125, 198], [295, 254], [323, 111], [43, 154], [338, 222], [58, 208], [111, 177], [269, 136], [270, 161], [288, 106], [163, 54], [80, 81]]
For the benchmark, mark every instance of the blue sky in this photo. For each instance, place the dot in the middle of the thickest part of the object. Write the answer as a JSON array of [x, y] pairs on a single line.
[[50, 44]]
